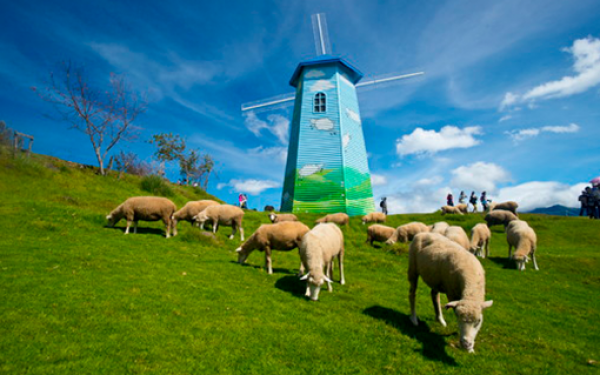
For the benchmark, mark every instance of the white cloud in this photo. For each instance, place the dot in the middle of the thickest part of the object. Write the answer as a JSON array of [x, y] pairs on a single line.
[[314, 74], [275, 124], [353, 115], [586, 54], [378, 180], [422, 141], [536, 194], [278, 153], [523, 134], [479, 176], [322, 85], [250, 186], [505, 118]]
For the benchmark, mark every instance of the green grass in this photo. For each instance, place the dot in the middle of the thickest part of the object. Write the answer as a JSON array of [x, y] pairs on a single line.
[[78, 297]]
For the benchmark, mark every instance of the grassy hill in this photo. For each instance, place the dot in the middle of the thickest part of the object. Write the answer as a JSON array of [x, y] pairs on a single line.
[[78, 297]]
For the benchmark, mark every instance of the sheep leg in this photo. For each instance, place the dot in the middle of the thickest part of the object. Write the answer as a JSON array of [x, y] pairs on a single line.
[[135, 225], [509, 250], [411, 297], [174, 227], [233, 230], [215, 226], [329, 271], [534, 261], [435, 298], [341, 265], [127, 227], [268, 261]]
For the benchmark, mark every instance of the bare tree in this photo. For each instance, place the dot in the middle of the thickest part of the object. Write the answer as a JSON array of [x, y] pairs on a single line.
[[169, 147], [129, 163], [105, 116], [207, 168]]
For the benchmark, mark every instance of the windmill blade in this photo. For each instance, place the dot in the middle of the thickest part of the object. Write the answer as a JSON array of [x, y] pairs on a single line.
[[383, 80], [279, 101], [322, 45]]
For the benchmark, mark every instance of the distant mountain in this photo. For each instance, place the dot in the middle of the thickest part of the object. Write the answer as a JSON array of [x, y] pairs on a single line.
[[556, 210]]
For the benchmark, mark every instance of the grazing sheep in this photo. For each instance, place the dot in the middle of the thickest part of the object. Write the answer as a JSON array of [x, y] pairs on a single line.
[[406, 232], [447, 268], [458, 235], [339, 219], [508, 206], [520, 235], [318, 248], [278, 218], [380, 233], [480, 238], [190, 210], [284, 236], [451, 210], [145, 209], [374, 217], [498, 217], [269, 208], [439, 227], [463, 207], [225, 214]]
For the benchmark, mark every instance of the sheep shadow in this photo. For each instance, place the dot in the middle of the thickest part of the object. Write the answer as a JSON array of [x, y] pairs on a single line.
[[504, 262], [434, 345], [292, 285], [140, 230], [258, 267]]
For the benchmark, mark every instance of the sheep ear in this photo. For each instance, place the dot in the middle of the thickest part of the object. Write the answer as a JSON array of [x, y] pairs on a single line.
[[451, 305], [487, 304], [304, 277], [327, 279]]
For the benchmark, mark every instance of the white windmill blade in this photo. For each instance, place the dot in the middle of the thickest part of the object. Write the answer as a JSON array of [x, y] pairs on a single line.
[[322, 45], [278, 101], [383, 80]]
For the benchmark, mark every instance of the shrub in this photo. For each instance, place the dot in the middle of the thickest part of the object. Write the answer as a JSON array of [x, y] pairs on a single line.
[[156, 185]]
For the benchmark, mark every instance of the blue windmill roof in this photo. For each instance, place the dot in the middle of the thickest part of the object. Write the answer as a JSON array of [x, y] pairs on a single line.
[[354, 74]]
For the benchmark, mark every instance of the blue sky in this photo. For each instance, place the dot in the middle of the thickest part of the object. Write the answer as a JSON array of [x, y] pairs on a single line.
[[510, 102]]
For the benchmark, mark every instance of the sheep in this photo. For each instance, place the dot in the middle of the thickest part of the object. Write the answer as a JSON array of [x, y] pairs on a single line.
[[318, 248], [226, 214], [463, 207], [451, 210], [284, 236], [447, 268], [277, 218], [498, 217], [508, 206], [520, 235], [480, 238], [458, 235], [374, 217], [380, 233], [439, 227], [145, 209], [339, 219], [190, 210], [406, 232]]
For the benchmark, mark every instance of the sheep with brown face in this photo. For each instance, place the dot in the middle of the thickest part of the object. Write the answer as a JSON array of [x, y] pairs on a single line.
[[227, 215], [379, 233], [406, 232], [374, 217], [339, 219], [284, 236], [143, 208], [447, 268], [190, 210]]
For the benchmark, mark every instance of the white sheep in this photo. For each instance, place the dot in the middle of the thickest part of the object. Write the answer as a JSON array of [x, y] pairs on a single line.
[[406, 232], [278, 218], [480, 239], [447, 268], [451, 210], [190, 210], [339, 219], [380, 233], [523, 238], [284, 236], [225, 214], [458, 235], [145, 209], [463, 207], [508, 206], [498, 217], [318, 248], [374, 217], [439, 227]]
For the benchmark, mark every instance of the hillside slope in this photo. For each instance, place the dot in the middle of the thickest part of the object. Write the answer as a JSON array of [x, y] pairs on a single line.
[[78, 297]]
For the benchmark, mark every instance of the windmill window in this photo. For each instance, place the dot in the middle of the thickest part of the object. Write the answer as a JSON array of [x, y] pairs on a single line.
[[319, 103]]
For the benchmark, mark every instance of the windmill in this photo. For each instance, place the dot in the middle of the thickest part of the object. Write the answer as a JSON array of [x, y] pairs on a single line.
[[327, 168]]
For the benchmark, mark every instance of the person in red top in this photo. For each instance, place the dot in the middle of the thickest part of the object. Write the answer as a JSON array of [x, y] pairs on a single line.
[[450, 200]]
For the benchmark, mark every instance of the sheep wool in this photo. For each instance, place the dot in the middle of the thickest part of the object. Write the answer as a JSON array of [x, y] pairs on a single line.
[[499, 217], [190, 210], [406, 232], [339, 219], [284, 236], [451, 210], [480, 239], [227, 215], [447, 268], [507, 206], [379, 233], [462, 207], [278, 218], [439, 227], [523, 238], [318, 248], [374, 217], [458, 235], [146, 209]]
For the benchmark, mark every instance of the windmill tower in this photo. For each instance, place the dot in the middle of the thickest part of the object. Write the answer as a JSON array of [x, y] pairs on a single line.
[[327, 168]]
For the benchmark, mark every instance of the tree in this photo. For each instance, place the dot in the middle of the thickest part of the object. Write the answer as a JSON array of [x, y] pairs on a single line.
[[105, 116], [207, 168], [169, 147], [129, 163], [188, 166]]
